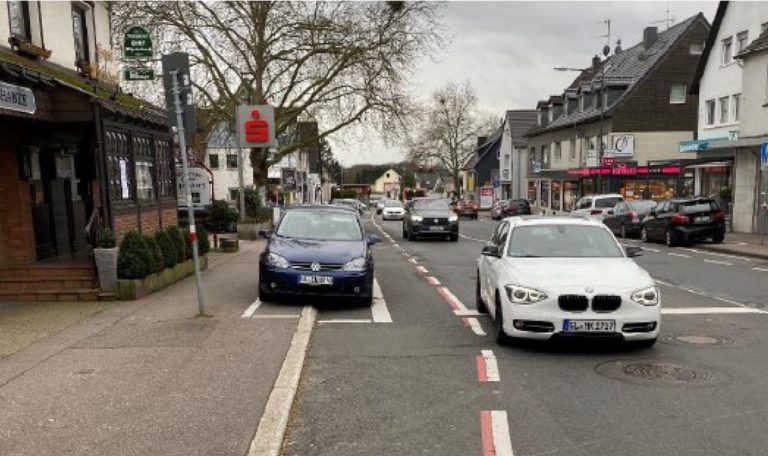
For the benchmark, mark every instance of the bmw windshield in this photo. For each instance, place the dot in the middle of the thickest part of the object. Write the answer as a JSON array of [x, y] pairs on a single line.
[[563, 241]]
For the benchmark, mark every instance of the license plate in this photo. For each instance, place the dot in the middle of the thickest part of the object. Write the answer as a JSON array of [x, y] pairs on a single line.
[[315, 280], [592, 326], [702, 219], [435, 228]]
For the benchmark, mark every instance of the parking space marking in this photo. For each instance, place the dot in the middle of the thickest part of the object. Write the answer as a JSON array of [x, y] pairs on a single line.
[[494, 431], [452, 300], [650, 249], [379, 310], [251, 309], [468, 313], [474, 325], [724, 263], [413, 260], [345, 320], [711, 310], [681, 255], [276, 317], [487, 367], [432, 280]]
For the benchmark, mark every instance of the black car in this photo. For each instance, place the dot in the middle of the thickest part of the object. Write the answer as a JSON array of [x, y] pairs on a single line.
[[517, 207], [626, 218], [431, 217], [678, 220]]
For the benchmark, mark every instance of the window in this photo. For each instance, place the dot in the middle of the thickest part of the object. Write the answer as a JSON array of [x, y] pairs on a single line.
[[387, 175], [736, 102], [697, 48], [539, 117], [581, 103], [559, 151], [166, 169], [118, 158], [213, 161], [19, 15], [232, 161], [550, 113], [544, 156], [742, 41], [727, 50], [724, 110], [572, 151], [766, 83], [710, 112], [234, 194], [145, 168], [677, 94], [80, 32]]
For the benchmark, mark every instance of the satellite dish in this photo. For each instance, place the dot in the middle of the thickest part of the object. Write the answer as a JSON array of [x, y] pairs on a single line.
[[606, 50]]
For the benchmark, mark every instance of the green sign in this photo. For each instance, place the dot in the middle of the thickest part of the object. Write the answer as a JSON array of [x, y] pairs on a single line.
[[137, 44], [139, 74]]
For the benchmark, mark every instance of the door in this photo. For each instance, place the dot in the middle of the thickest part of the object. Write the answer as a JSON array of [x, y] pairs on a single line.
[[61, 210], [613, 221], [492, 265], [656, 226]]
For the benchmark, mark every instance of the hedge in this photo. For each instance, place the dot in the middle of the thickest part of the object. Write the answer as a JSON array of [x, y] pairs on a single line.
[[170, 255], [135, 259], [178, 240], [158, 262]]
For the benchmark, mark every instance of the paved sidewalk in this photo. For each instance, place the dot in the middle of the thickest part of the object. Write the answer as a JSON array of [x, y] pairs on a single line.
[[750, 245], [147, 377]]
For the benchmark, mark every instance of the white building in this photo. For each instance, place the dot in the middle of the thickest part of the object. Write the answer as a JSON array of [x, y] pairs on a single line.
[[729, 134], [388, 183]]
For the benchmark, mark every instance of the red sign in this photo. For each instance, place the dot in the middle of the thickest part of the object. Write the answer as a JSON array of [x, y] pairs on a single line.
[[609, 161], [256, 130], [625, 171]]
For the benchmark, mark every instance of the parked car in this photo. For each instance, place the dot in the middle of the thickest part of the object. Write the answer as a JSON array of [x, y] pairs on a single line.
[[596, 206], [350, 203], [498, 210], [380, 205], [517, 207], [626, 218], [677, 220], [430, 217], [561, 277], [317, 250], [393, 210], [466, 208]]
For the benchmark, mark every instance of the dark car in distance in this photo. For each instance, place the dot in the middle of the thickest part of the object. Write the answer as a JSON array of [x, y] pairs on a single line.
[[498, 208], [430, 217], [317, 251], [517, 207], [466, 208], [678, 220], [626, 218]]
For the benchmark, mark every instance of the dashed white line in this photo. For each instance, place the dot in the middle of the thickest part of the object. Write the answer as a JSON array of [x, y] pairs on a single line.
[[433, 280], [345, 320], [495, 433], [379, 309], [467, 313], [651, 249], [710, 310], [724, 263], [276, 317], [413, 260], [251, 309], [474, 325], [422, 269], [490, 367], [473, 239], [681, 255], [452, 300], [760, 269]]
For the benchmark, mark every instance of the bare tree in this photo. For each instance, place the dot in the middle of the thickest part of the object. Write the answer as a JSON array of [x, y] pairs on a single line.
[[449, 129], [336, 63]]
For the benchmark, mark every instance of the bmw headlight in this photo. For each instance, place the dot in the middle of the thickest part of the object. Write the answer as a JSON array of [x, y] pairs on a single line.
[[523, 295], [417, 218], [646, 296], [453, 217], [358, 264], [277, 261]]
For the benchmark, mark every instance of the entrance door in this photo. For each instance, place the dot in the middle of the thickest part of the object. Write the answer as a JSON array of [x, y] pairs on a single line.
[[52, 209], [61, 211]]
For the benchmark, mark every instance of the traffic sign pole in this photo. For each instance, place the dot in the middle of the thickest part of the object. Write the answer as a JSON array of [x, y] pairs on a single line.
[[179, 108]]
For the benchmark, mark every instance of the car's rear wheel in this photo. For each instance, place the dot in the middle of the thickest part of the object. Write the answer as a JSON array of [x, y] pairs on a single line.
[[479, 303], [718, 239], [501, 337], [671, 238], [643, 234]]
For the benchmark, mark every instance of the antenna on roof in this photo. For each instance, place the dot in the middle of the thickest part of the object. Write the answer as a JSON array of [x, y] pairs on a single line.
[[607, 36], [669, 20]]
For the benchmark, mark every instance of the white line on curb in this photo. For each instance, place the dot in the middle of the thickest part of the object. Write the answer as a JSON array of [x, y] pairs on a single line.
[[251, 309], [467, 313], [433, 280], [491, 366], [456, 304], [501, 440], [473, 239], [710, 310], [724, 263], [268, 440], [276, 317], [474, 325], [379, 309], [422, 269]]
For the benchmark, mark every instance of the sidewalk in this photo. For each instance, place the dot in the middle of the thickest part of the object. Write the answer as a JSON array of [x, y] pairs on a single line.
[[749, 245], [147, 377]]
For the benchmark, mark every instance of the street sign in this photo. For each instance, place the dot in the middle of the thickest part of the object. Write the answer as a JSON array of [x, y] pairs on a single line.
[[256, 126], [764, 155], [591, 159], [137, 44], [139, 74], [496, 182], [179, 61]]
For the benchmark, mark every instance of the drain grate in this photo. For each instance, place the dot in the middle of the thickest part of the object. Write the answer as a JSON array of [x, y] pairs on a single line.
[[655, 373]]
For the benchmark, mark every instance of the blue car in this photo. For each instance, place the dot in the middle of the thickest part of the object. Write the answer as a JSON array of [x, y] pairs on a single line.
[[317, 251]]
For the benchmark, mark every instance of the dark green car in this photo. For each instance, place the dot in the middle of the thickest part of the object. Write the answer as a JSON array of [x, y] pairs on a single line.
[[430, 217]]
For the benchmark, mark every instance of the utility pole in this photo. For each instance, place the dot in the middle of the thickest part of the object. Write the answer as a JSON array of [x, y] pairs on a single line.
[[179, 108]]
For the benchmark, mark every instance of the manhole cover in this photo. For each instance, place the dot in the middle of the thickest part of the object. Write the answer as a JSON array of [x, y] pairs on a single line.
[[698, 340], [656, 373]]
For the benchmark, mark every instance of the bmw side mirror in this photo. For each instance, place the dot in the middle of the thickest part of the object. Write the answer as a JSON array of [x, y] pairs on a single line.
[[633, 251], [266, 234], [373, 239], [491, 251]]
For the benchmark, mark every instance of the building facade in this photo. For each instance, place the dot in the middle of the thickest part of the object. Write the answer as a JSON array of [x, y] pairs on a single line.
[[513, 153], [617, 127], [388, 184]]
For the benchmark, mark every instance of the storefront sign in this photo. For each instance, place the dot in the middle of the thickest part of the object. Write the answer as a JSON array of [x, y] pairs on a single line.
[[288, 180], [621, 170], [486, 197], [591, 159], [698, 145], [17, 98], [608, 161], [199, 186], [623, 145], [139, 74], [137, 44]]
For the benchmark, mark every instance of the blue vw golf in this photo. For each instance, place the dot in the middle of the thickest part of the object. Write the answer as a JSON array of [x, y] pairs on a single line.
[[317, 251]]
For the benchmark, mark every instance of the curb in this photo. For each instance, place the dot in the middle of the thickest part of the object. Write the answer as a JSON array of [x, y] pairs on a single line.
[[722, 249]]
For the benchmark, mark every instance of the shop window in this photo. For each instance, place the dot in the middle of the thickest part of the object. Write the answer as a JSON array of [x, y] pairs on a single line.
[[736, 102], [144, 155], [544, 200], [18, 11], [724, 105], [727, 50], [213, 161], [677, 94], [544, 156], [556, 195], [80, 32], [118, 157], [710, 112], [166, 169], [231, 161], [742, 40]]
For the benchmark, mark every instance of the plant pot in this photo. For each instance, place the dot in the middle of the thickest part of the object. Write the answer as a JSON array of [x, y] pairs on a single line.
[[106, 266], [250, 231]]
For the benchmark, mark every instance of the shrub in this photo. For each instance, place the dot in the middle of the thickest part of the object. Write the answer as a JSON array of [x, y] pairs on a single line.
[[221, 216], [255, 212], [178, 240], [170, 255], [203, 244], [134, 260], [158, 262], [106, 239]]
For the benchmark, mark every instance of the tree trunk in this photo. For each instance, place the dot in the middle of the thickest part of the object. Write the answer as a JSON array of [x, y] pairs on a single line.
[[260, 172]]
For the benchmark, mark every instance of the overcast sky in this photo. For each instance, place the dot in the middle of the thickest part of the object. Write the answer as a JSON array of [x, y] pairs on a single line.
[[508, 50]]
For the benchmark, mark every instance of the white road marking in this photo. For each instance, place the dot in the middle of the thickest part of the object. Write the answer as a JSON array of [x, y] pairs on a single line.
[[666, 284], [413, 260], [475, 326], [473, 239], [433, 280], [345, 320], [681, 255], [276, 317], [251, 309], [724, 255], [710, 310], [760, 269], [650, 249], [724, 263], [396, 245], [501, 440], [491, 366], [422, 269], [467, 313], [379, 309], [269, 436], [453, 300]]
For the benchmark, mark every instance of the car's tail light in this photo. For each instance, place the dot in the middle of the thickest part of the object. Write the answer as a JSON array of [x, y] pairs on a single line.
[[595, 212], [635, 218], [679, 219], [718, 217]]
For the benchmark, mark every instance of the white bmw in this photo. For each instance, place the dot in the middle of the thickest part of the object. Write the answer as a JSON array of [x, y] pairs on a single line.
[[545, 277]]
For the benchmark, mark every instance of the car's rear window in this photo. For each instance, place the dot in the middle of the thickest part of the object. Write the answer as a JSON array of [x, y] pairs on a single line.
[[691, 207], [607, 202], [320, 225], [642, 205]]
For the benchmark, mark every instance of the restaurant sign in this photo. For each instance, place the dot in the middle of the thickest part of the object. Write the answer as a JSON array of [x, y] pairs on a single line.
[[17, 98], [620, 169]]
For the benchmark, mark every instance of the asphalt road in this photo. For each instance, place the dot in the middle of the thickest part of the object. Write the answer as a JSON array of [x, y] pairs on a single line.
[[430, 381]]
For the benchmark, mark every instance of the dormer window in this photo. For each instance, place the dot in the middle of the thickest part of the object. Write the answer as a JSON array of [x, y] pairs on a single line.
[[581, 103], [539, 117], [551, 113]]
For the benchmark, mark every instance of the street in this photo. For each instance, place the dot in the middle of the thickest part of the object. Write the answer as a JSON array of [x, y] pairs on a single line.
[[434, 382]]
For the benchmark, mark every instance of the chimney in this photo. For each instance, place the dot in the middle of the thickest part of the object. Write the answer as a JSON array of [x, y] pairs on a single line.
[[618, 49], [596, 61], [650, 35]]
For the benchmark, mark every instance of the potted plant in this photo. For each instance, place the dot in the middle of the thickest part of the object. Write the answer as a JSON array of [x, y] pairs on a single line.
[[257, 217], [105, 256]]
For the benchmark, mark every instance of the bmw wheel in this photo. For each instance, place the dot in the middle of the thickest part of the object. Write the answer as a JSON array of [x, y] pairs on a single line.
[[671, 238]]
